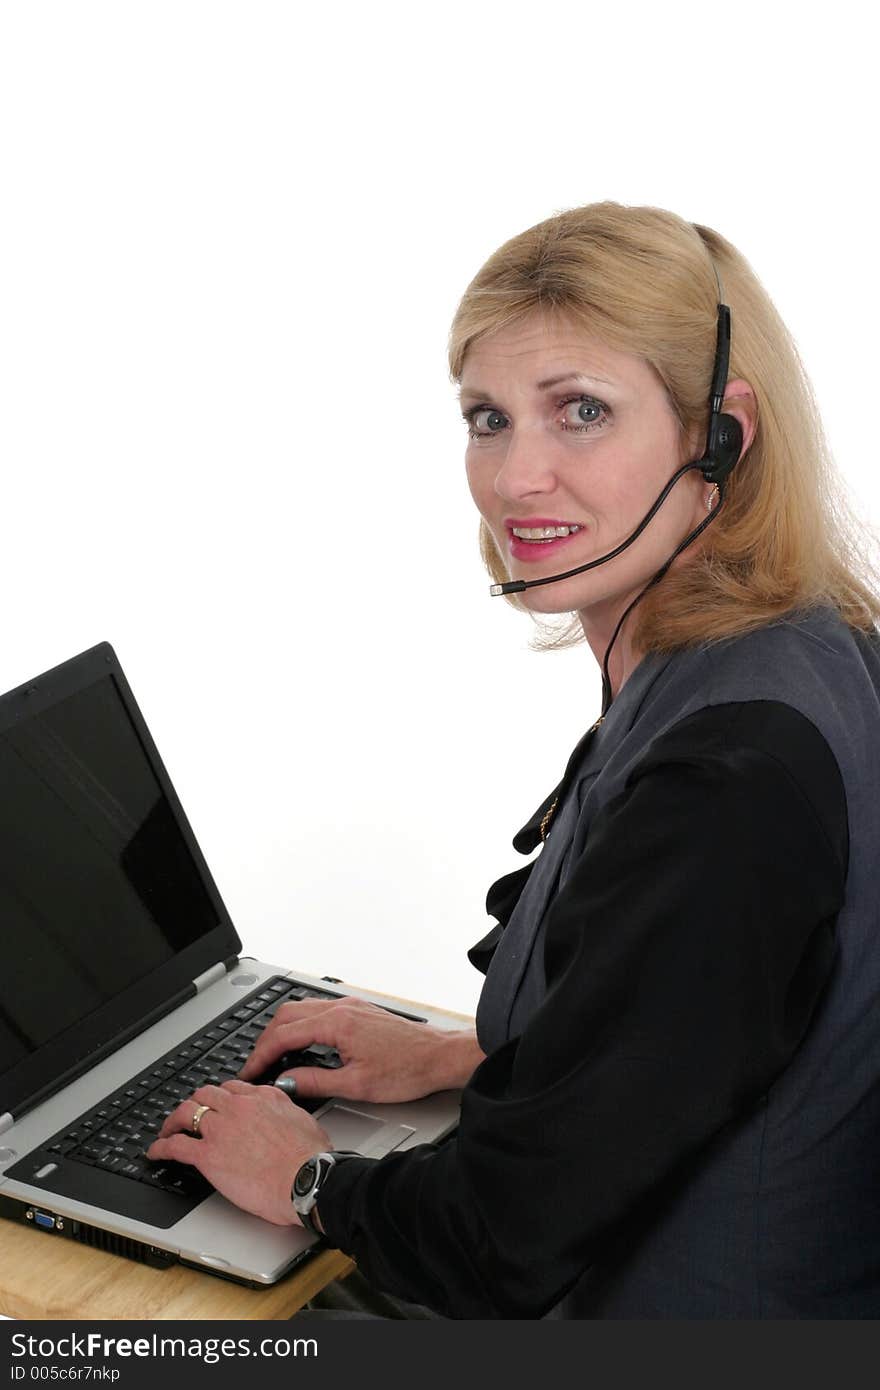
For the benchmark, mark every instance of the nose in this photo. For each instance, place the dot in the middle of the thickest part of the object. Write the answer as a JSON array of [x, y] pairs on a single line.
[[526, 468]]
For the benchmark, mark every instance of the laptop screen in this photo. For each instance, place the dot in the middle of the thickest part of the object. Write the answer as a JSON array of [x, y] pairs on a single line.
[[98, 887]]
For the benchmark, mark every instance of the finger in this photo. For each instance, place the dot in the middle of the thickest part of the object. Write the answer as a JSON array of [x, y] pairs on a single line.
[[209, 1094], [181, 1119], [294, 1009], [314, 1082], [292, 1037], [240, 1088], [243, 1088], [183, 1148], [269, 1047], [312, 1006]]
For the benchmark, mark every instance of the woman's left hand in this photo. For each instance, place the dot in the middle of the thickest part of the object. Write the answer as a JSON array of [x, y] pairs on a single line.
[[252, 1140]]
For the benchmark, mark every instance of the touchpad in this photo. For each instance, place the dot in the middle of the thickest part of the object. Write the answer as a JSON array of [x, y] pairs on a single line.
[[350, 1129]]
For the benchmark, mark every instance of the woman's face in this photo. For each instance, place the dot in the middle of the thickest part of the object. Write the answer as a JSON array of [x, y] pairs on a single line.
[[566, 433]]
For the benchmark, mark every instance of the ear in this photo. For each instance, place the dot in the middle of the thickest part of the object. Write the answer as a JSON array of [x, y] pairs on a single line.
[[740, 401]]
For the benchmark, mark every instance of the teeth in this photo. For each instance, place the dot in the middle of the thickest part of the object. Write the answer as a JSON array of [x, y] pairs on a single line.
[[543, 533]]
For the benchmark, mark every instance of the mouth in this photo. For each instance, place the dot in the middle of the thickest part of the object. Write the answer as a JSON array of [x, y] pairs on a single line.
[[540, 538], [541, 534]]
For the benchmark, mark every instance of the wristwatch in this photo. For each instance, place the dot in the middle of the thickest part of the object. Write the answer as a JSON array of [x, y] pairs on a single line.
[[310, 1179]]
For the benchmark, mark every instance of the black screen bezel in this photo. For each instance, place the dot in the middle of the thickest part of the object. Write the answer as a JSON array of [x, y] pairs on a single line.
[[67, 1055]]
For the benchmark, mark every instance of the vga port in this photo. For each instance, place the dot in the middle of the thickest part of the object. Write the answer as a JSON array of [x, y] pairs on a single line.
[[45, 1220]]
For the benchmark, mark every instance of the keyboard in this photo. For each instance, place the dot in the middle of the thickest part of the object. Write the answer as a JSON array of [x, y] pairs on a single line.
[[114, 1134]]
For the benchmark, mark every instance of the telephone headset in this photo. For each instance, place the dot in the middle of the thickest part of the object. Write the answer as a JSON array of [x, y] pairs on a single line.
[[723, 448]]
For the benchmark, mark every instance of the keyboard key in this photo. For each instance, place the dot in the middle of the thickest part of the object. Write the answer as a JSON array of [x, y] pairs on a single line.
[[321, 1055], [128, 1145], [189, 1183], [94, 1151], [250, 1033], [110, 1137], [63, 1146], [172, 1089], [175, 1177], [154, 1173], [129, 1127], [160, 1101], [112, 1162]]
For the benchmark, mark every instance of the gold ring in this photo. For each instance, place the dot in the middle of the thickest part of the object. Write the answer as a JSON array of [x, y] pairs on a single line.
[[198, 1113]]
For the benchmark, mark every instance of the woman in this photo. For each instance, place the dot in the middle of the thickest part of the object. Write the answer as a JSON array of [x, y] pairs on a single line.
[[678, 1110]]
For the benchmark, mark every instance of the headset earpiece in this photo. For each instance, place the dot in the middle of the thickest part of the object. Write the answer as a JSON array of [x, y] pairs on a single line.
[[723, 449], [725, 436]]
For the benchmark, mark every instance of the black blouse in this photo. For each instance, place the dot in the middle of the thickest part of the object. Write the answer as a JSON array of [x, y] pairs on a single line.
[[684, 958]]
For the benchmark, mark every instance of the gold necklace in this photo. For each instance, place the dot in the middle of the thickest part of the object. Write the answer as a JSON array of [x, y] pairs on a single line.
[[548, 815]]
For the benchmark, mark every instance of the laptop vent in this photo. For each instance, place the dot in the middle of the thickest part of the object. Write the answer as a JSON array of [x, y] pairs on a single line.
[[120, 1245]]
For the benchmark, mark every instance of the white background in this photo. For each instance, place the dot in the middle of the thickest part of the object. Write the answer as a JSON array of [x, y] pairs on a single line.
[[232, 240]]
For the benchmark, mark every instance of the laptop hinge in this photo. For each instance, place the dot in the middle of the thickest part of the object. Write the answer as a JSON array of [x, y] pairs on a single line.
[[6, 1122], [209, 977]]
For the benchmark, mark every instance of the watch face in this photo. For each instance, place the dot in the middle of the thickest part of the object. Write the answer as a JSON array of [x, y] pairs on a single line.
[[305, 1178]]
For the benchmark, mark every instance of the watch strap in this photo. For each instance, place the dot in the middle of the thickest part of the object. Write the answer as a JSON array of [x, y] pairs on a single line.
[[305, 1202]]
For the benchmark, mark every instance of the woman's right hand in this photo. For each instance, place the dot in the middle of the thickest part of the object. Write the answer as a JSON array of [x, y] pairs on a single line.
[[384, 1057]]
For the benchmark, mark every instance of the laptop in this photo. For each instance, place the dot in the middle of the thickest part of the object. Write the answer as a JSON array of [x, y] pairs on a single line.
[[123, 989]]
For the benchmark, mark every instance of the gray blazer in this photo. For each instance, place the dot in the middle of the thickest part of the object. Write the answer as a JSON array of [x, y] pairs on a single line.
[[738, 1239]]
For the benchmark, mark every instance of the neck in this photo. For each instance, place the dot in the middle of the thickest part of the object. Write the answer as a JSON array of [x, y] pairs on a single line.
[[598, 630]]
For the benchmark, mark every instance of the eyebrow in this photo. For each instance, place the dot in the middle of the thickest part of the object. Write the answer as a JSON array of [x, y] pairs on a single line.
[[544, 385]]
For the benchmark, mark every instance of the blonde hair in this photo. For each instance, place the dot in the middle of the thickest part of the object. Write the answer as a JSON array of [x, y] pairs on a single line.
[[644, 281]]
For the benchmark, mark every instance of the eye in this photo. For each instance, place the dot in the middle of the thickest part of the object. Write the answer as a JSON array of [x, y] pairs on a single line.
[[582, 413], [484, 420]]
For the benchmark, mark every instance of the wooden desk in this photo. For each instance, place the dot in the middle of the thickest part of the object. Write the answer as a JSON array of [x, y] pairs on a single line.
[[46, 1277], [42, 1276]]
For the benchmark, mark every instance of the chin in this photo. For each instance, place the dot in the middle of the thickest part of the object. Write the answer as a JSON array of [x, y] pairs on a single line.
[[552, 598], [569, 597]]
